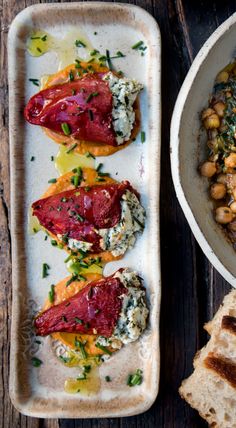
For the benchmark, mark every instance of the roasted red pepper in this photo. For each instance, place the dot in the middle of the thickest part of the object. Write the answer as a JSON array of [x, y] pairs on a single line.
[[79, 213], [82, 107], [94, 310]]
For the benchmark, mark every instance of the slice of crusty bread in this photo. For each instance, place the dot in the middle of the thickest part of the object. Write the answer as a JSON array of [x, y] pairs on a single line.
[[211, 389]]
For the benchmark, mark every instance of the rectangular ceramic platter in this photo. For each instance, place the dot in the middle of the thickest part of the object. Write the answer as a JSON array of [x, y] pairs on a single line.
[[40, 391]]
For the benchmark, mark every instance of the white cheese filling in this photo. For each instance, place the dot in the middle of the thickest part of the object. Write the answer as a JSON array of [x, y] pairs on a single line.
[[134, 312], [124, 92], [121, 237]]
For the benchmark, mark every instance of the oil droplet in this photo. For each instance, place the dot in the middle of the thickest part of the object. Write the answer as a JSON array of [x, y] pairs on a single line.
[[65, 162], [89, 386], [74, 266], [40, 42], [33, 223]]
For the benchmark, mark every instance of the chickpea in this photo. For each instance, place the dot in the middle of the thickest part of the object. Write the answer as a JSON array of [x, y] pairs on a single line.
[[208, 169], [233, 207], [234, 193], [210, 119], [219, 108], [222, 77], [230, 161], [223, 215], [218, 191], [222, 178]]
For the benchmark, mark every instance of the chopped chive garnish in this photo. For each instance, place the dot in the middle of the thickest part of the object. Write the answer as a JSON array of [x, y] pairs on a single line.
[[87, 188], [138, 222], [99, 167], [52, 180], [80, 44], [65, 359], [51, 294], [102, 58], [79, 217], [100, 179], [103, 348], [72, 279], [95, 33], [135, 379], [38, 342], [89, 155], [44, 38], [78, 320], [45, 238], [66, 128], [108, 60], [71, 148], [71, 76], [107, 379], [36, 362], [32, 158], [75, 180], [35, 38], [34, 81], [81, 277], [53, 242], [103, 174], [93, 94], [118, 55], [80, 345], [90, 113], [84, 265], [87, 368], [137, 45], [94, 52], [143, 137], [45, 268], [39, 50]]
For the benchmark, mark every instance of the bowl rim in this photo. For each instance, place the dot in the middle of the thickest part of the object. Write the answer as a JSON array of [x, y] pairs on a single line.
[[175, 143]]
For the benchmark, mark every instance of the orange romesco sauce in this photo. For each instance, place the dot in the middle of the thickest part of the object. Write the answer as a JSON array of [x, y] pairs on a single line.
[[96, 149]]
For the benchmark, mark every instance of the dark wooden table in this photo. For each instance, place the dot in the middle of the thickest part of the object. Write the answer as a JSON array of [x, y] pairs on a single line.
[[191, 289]]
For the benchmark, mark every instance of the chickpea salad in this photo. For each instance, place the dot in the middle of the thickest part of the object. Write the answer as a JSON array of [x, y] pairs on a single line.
[[219, 121]]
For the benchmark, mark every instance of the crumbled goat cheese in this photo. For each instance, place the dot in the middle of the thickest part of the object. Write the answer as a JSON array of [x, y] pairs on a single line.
[[74, 244], [134, 312], [121, 237], [124, 92]]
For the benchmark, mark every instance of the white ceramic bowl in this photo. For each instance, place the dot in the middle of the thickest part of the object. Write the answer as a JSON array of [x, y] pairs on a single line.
[[187, 151]]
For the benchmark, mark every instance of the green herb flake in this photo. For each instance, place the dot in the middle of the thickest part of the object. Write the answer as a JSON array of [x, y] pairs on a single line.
[[93, 94], [72, 279], [143, 137], [81, 347], [45, 268], [34, 81], [53, 242], [78, 320], [95, 33], [51, 294], [89, 155], [94, 52], [103, 348], [36, 362], [45, 238], [108, 59], [52, 180], [90, 113], [66, 128], [32, 158], [52, 158], [64, 318], [80, 44], [39, 50], [71, 148], [71, 76], [99, 167], [135, 379], [44, 38], [79, 218], [87, 368], [138, 45], [107, 379]]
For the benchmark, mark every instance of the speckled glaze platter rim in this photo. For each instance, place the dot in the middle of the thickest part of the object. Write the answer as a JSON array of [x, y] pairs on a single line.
[[176, 125], [48, 407]]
